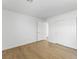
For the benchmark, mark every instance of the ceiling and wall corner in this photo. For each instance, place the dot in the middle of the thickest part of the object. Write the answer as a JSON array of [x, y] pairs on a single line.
[[42, 9]]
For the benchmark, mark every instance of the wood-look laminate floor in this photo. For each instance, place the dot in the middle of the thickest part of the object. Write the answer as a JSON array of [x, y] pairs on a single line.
[[40, 50]]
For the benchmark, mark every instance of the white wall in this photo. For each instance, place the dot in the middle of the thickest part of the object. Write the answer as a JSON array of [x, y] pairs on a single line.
[[62, 29], [18, 29]]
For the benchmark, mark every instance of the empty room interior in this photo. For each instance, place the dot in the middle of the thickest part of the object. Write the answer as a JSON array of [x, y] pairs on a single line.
[[39, 29]]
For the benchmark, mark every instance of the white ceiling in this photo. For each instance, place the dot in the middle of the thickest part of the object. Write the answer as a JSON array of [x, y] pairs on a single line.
[[40, 8]]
